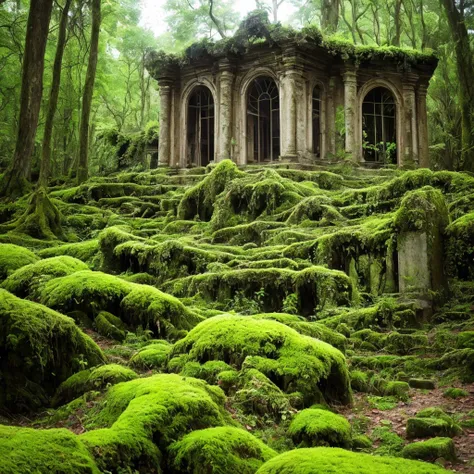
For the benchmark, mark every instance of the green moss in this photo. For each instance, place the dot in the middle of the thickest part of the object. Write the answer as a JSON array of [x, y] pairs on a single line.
[[296, 363], [13, 257], [209, 371], [110, 326], [465, 340], [315, 427], [420, 427], [431, 450], [152, 356], [361, 443], [405, 343], [27, 280], [143, 417], [98, 378], [42, 349], [29, 450], [221, 450], [460, 247], [327, 460], [454, 393], [388, 442], [85, 251]]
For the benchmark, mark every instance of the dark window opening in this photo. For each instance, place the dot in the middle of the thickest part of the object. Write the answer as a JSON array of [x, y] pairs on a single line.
[[317, 121], [379, 139], [200, 127], [263, 120]]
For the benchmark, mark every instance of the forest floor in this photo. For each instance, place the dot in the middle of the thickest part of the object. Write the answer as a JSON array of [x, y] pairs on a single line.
[[234, 277]]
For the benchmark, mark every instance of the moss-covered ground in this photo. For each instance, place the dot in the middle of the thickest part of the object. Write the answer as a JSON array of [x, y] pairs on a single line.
[[240, 320]]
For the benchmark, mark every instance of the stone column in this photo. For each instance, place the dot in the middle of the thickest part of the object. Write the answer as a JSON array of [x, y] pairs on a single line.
[[288, 113], [410, 125], [423, 144], [225, 111], [350, 111], [330, 120], [164, 148]]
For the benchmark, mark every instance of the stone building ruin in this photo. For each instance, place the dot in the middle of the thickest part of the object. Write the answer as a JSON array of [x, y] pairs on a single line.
[[292, 97]]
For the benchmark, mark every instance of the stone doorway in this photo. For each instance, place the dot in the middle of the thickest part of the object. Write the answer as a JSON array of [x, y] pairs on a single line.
[[263, 121], [200, 129], [316, 114]]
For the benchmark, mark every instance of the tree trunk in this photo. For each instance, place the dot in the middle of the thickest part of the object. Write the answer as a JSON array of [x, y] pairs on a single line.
[[398, 23], [329, 15], [465, 74], [83, 162], [15, 182], [54, 94]]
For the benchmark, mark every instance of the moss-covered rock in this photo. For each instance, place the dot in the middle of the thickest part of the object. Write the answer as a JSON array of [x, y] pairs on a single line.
[[13, 257], [296, 363], [420, 427], [41, 348], [221, 450], [110, 326], [25, 450], [153, 356], [465, 340], [92, 379], [405, 343], [316, 427], [431, 450], [142, 417], [332, 460], [85, 251]]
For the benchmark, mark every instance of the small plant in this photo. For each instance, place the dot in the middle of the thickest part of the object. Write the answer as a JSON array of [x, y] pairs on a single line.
[[290, 304], [383, 403], [389, 443], [454, 393]]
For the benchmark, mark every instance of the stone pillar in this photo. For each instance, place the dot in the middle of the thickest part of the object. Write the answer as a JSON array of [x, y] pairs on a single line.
[[164, 148], [423, 144], [350, 111], [288, 113], [225, 110], [330, 120], [410, 153]]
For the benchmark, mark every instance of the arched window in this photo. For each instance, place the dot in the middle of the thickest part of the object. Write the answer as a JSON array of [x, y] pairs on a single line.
[[379, 133], [317, 121], [200, 130], [263, 120]]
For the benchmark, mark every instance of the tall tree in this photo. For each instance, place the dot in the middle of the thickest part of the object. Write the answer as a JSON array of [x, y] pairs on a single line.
[[54, 95], [330, 15], [465, 72], [83, 162], [15, 182]]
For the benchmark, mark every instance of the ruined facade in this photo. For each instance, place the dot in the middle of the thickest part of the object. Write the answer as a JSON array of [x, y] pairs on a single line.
[[294, 101]]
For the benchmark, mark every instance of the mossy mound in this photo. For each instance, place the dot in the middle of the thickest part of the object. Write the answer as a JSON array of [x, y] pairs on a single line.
[[424, 427], [135, 304], [143, 417], [13, 257], [296, 363], [460, 247], [25, 450], [92, 379], [316, 427], [222, 450], [315, 287], [85, 251], [337, 460], [152, 356], [28, 279], [431, 450], [110, 326], [41, 348]]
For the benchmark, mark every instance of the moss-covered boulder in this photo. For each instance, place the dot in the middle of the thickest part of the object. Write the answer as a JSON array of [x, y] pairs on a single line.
[[337, 460], [424, 427], [110, 326], [153, 356], [135, 304], [25, 450], [431, 450], [13, 257], [92, 379], [142, 417], [28, 280], [294, 362], [317, 427], [460, 247], [221, 450], [39, 349]]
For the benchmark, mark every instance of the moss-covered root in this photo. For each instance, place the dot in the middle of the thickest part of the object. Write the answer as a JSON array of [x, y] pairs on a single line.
[[431, 450], [40, 349], [142, 417], [42, 219], [296, 363], [317, 427], [13, 257], [222, 450], [24, 450], [337, 460]]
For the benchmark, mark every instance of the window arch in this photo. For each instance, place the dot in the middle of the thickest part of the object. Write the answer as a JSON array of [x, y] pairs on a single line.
[[200, 127], [316, 120], [379, 133], [263, 120]]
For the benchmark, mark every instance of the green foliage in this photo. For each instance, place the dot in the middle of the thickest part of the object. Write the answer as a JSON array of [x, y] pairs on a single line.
[[223, 450], [389, 443], [454, 393]]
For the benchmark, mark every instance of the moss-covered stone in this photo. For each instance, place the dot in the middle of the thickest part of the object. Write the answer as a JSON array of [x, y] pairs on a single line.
[[110, 326], [426, 427], [221, 450], [329, 460], [152, 356], [296, 363], [28, 450], [13, 257], [423, 384], [85, 251], [315, 427], [42, 348], [405, 343], [431, 450]]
